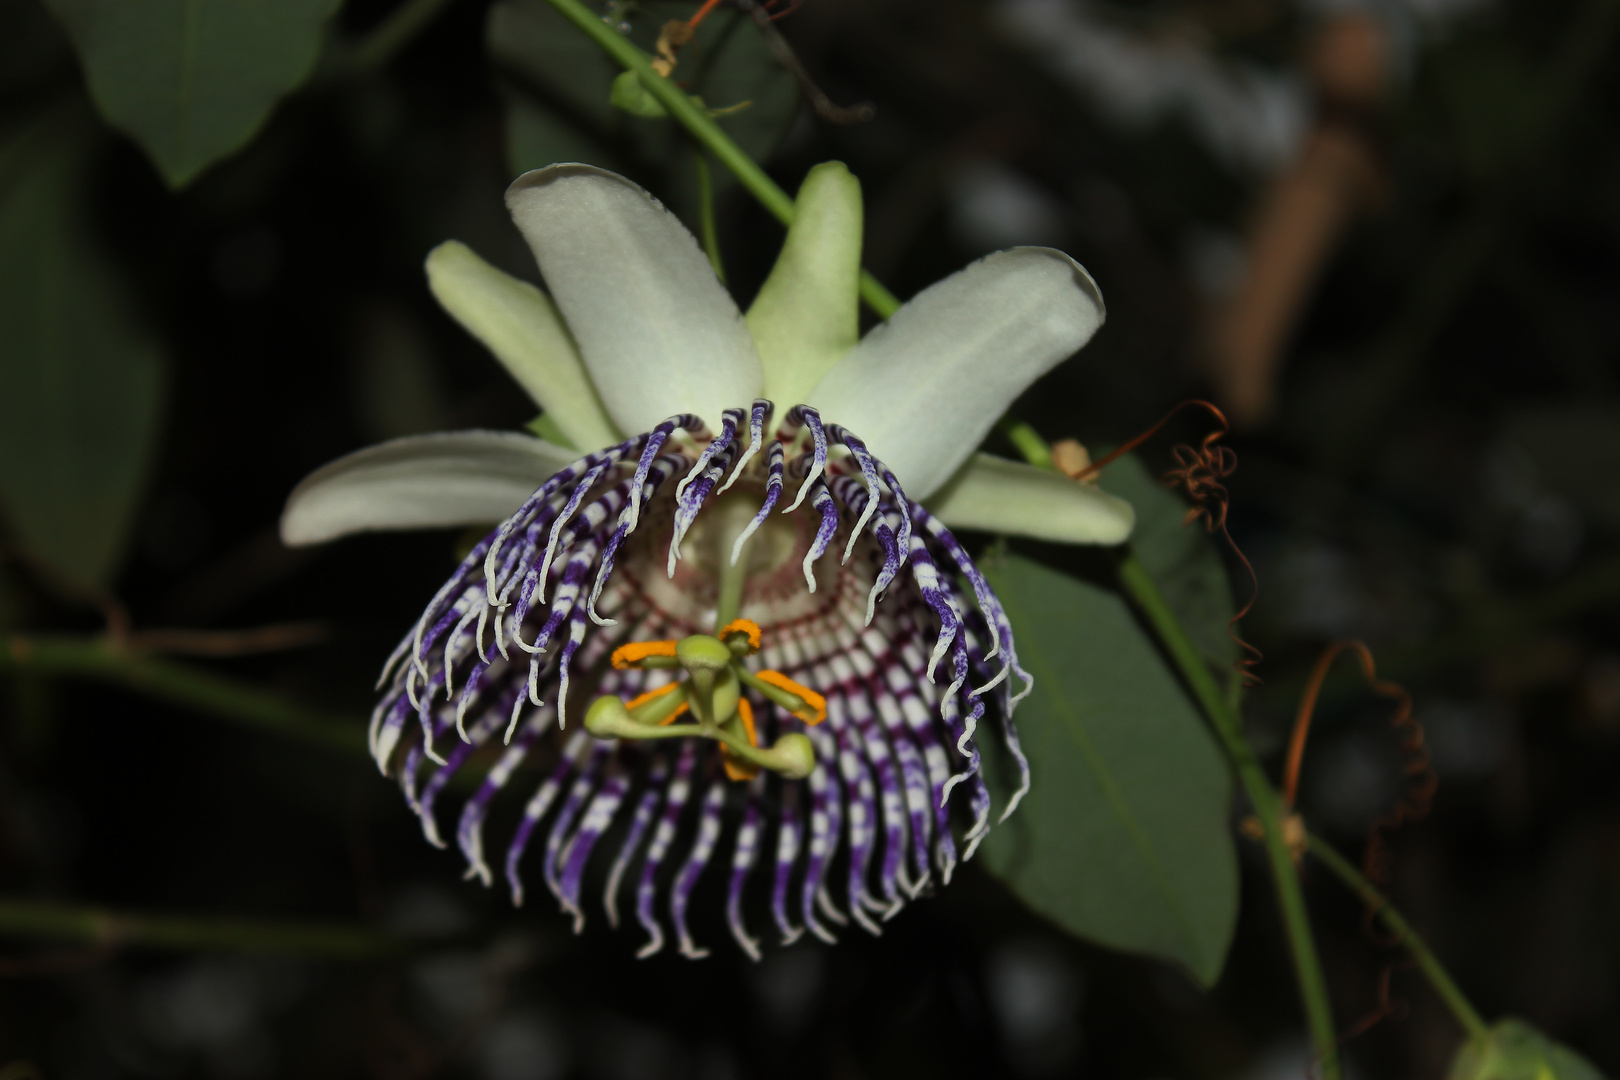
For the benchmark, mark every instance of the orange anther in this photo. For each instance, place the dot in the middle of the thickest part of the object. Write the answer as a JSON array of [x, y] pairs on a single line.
[[653, 695], [816, 710], [629, 656], [741, 626], [738, 768]]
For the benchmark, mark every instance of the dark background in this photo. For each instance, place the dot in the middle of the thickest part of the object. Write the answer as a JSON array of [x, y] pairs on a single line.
[[1437, 472]]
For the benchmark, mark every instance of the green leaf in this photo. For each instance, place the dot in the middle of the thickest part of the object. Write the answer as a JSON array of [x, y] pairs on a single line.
[[81, 385], [193, 80], [1123, 838], [554, 65], [1513, 1050], [562, 92], [1184, 563]]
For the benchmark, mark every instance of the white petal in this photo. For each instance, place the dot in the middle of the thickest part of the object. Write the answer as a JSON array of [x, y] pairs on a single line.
[[420, 482], [806, 316], [520, 325], [924, 388], [659, 333], [997, 495]]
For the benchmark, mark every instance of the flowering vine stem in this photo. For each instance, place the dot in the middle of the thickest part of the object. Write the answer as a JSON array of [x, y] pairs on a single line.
[[112, 929], [1262, 796], [103, 660], [1405, 936], [702, 127], [1222, 710]]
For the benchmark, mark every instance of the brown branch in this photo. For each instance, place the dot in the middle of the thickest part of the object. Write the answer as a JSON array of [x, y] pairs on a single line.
[[220, 643], [783, 53], [113, 613]]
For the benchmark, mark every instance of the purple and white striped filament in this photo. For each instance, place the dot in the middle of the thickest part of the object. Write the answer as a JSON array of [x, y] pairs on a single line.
[[902, 636]]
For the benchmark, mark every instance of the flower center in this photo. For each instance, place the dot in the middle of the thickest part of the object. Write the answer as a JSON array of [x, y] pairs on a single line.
[[707, 590], [711, 695]]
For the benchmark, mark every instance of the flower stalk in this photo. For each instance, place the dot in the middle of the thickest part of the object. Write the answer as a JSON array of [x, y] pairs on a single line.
[[702, 127], [208, 694], [1263, 797]]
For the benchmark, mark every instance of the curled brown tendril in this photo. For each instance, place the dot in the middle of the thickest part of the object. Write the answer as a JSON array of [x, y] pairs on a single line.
[[1412, 804], [1200, 471], [1386, 1007], [765, 14], [1418, 793]]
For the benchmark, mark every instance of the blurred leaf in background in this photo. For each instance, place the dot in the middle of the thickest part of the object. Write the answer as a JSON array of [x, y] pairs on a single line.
[[1513, 1050], [81, 382], [560, 86], [193, 80], [1125, 837]]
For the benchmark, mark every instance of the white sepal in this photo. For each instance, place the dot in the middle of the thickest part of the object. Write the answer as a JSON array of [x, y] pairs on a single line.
[[993, 494], [806, 316], [659, 333], [923, 389], [420, 482], [520, 325]]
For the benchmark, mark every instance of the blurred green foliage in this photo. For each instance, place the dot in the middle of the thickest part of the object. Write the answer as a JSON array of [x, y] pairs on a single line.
[[1514, 1050], [81, 379], [559, 89], [193, 80]]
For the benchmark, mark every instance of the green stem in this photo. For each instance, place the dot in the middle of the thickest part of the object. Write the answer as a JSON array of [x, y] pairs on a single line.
[[98, 926], [1267, 807], [394, 33], [1224, 717], [706, 225], [1029, 443], [181, 684], [702, 127], [1470, 1020]]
